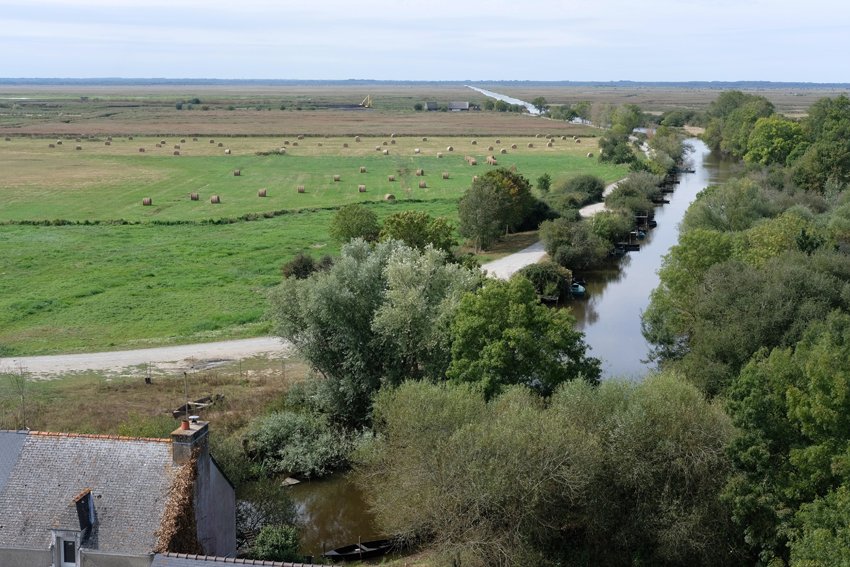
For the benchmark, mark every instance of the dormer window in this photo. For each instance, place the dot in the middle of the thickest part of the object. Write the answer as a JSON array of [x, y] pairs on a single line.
[[68, 553]]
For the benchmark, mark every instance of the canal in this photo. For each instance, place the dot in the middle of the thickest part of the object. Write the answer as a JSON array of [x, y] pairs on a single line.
[[610, 314]]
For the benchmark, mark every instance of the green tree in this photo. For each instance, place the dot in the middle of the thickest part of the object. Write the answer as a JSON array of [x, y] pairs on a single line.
[[614, 147], [501, 335], [544, 182], [773, 139], [418, 229], [548, 278], [733, 206], [738, 125], [823, 537], [263, 502], [496, 203], [573, 243], [377, 315], [354, 221], [540, 104], [276, 543]]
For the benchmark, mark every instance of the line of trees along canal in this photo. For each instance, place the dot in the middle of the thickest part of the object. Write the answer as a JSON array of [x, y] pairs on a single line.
[[476, 422]]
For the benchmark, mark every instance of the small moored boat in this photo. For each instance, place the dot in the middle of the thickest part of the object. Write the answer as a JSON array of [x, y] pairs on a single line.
[[577, 290], [362, 550]]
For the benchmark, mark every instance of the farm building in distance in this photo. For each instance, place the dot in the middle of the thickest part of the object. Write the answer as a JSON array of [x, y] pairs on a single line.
[[454, 106], [457, 106]]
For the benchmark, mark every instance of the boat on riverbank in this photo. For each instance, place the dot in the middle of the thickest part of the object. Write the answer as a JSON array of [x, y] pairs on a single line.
[[361, 550]]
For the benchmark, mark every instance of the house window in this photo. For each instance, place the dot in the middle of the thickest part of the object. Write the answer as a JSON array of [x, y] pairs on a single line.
[[69, 553]]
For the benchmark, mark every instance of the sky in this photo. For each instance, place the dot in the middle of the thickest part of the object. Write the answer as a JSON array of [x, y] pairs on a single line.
[[459, 40]]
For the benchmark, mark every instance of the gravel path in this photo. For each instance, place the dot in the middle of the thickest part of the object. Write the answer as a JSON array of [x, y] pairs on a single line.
[[504, 268], [595, 208], [162, 359]]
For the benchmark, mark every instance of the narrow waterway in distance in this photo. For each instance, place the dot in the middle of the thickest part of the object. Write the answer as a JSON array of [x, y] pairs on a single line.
[[610, 314]]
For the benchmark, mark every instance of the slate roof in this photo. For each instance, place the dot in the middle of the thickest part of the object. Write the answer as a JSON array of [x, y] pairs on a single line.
[[184, 560], [41, 473]]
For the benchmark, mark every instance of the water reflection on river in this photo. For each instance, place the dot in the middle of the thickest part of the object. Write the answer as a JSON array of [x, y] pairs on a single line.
[[333, 513], [616, 297]]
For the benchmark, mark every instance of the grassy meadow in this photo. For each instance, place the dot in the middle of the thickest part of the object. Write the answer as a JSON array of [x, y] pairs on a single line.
[[84, 266]]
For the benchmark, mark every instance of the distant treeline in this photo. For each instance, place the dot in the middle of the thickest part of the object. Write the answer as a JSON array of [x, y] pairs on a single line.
[[121, 81]]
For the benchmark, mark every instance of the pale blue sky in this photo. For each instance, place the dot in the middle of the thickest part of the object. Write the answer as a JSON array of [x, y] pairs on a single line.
[[580, 40]]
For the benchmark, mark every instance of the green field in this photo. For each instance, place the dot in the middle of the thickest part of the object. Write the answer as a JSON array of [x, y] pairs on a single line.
[[176, 272]]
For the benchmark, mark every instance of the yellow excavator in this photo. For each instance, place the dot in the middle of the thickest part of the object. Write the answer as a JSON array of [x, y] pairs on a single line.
[[367, 102]]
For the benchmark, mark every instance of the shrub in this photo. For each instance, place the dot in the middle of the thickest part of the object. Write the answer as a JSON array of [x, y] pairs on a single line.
[[276, 543], [354, 221], [549, 279], [304, 444], [300, 267]]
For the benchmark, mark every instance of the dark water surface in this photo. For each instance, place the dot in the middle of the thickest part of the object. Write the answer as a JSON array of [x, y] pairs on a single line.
[[333, 513], [610, 313]]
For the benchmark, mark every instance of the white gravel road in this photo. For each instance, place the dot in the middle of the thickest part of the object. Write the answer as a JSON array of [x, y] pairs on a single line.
[[504, 268], [168, 358]]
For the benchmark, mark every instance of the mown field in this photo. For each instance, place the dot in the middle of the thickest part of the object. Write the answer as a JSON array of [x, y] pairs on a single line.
[[183, 270]]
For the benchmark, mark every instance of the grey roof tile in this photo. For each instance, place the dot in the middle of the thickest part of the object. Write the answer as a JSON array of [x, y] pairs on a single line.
[[185, 560], [129, 479], [11, 443]]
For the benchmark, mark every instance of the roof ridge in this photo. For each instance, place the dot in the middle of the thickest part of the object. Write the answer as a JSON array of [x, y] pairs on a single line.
[[90, 436], [236, 560]]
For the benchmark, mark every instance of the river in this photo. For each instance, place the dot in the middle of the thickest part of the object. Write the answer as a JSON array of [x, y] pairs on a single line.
[[334, 512], [616, 297], [508, 99]]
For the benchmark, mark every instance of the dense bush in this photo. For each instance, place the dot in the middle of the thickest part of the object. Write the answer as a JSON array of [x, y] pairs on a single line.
[[276, 543]]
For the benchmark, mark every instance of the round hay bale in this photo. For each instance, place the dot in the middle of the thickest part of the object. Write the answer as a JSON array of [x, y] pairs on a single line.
[[300, 189], [473, 161], [294, 144], [286, 142], [141, 150], [424, 139], [107, 143], [163, 142], [182, 140], [58, 142], [474, 142], [575, 138], [503, 151], [177, 152], [176, 146], [392, 135], [420, 172], [474, 178], [227, 151], [390, 178], [78, 148], [422, 185], [194, 196], [450, 149], [377, 148], [264, 192], [530, 145], [498, 141], [578, 141], [537, 135], [439, 154], [51, 145], [362, 169], [300, 136], [384, 143], [563, 137], [345, 145], [513, 146], [589, 154], [221, 144], [392, 142], [415, 150], [445, 175], [158, 145], [356, 138], [386, 152], [237, 172], [389, 197], [215, 199], [194, 139], [489, 148], [147, 202], [361, 188], [337, 178], [549, 145]]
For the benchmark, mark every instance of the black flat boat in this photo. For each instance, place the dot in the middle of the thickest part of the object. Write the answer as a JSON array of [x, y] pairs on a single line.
[[362, 550]]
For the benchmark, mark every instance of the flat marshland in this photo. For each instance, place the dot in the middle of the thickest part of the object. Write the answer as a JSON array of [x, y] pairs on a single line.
[[86, 266]]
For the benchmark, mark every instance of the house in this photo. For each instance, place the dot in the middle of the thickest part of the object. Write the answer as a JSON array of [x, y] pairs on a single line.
[[457, 106], [432, 106], [69, 500]]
